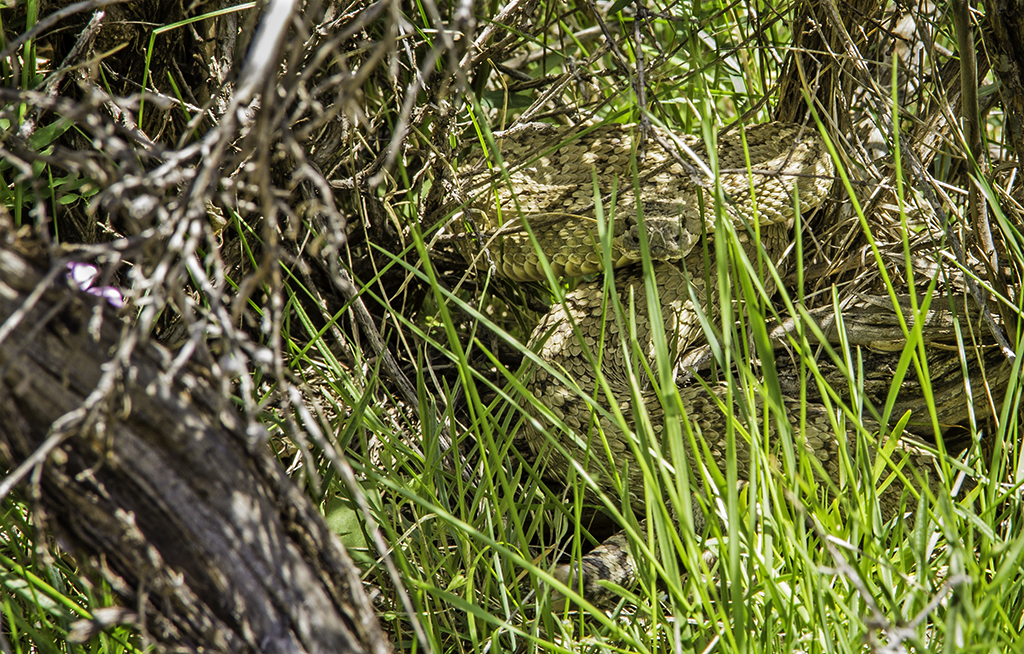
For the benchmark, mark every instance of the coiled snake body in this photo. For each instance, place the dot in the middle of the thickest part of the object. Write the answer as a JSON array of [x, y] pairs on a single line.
[[562, 185]]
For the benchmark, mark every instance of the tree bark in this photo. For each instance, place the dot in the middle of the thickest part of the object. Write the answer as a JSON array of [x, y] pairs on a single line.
[[1004, 19], [155, 481]]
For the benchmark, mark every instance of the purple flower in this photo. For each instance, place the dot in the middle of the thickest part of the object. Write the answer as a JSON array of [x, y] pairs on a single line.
[[84, 275]]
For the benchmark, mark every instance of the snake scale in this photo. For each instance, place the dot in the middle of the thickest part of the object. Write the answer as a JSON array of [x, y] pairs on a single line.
[[559, 183]]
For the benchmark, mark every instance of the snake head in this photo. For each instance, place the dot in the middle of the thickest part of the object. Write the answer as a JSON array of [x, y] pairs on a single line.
[[668, 239]]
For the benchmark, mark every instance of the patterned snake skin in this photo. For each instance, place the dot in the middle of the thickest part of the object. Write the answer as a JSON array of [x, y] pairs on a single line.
[[556, 182]]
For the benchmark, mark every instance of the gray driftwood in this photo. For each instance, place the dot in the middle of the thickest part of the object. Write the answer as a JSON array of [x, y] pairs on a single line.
[[158, 485]]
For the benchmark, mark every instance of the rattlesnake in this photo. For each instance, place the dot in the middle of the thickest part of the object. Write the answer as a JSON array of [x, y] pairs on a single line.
[[561, 184]]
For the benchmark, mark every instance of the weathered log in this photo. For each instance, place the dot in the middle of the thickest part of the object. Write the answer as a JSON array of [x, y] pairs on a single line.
[[871, 324], [154, 480]]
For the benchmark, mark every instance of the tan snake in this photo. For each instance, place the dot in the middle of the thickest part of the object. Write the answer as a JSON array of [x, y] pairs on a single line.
[[561, 184]]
